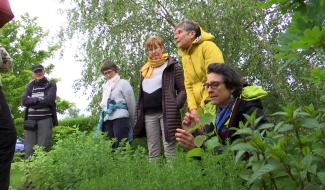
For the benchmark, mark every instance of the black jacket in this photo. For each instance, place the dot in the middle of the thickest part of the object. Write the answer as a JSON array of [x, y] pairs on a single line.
[[241, 107], [48, 101]]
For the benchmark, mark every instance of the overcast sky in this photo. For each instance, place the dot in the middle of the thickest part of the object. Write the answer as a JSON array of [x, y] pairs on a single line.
[[66, 68]]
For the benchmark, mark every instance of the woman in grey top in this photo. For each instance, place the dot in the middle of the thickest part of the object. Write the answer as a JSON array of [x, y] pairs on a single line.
[[117, 104]]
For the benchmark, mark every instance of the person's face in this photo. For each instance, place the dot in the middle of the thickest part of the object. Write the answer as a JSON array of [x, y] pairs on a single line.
[[183, 38], [109, 74], [217, 90], [38, 74], [155, 52]]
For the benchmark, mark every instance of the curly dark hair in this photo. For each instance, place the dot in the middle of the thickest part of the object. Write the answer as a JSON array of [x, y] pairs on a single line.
[[231, 77]]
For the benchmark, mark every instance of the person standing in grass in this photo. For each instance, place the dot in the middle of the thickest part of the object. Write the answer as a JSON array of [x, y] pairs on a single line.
[[162, 95], [8, 133], [40, 113], [197, 50], [117, 104]]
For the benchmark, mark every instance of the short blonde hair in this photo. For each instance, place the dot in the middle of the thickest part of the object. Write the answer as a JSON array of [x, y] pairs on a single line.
[[154, 41]]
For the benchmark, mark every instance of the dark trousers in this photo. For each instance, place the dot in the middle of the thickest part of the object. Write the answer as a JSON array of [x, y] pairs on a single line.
[[7, 142], [117, 128], [42, 136]]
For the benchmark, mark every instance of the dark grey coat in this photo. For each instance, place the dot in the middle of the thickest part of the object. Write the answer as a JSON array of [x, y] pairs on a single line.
[[173, 99]]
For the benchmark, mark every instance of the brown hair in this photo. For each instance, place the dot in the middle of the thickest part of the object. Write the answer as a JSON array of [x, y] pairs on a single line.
[[108, 65], [154, 41]]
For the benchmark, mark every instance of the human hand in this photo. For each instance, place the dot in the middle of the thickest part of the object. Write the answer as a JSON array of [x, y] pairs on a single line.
[[185, 138], [188, 121], [195, 115]]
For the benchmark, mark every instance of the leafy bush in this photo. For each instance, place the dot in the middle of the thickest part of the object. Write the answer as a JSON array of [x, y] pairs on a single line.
[[286, 155], [213, 172], [19, 126], [83, 123], [87, 161], [62, 132]]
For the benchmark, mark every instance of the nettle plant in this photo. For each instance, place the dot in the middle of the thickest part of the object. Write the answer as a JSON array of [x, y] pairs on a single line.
[[204, 142], [286, 155]]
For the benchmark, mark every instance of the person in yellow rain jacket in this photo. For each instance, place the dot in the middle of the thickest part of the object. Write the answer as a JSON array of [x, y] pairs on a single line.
[[197, 50]]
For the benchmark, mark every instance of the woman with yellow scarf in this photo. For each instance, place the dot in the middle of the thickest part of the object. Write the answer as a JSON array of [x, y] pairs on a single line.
[[162, 95]]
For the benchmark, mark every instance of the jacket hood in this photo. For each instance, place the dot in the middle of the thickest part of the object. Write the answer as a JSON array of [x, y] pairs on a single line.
[[203, 37]]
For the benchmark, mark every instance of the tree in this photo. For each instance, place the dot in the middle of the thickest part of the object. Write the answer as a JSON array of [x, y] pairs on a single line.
[[301, 48], [116, 30], [22, 40]]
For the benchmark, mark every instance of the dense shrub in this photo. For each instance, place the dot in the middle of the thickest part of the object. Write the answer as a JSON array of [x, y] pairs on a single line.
[[287, 155], [19, 126], [62, 132], [83, 123], [87, 161], [213, 172]]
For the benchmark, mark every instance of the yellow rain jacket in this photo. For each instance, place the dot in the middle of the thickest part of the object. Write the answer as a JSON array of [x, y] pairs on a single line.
[[195, 61]]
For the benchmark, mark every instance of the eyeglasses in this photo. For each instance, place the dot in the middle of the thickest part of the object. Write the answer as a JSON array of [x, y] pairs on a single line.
[[214, 84], [108, 72]]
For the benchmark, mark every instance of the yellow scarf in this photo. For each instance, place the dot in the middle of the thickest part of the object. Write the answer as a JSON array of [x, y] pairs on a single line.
[[146, 69]]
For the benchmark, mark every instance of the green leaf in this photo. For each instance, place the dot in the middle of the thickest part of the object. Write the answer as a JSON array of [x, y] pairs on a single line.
[[199, 140], [322, 98], [195, 152], [265, 126], [244, 131], [285, 128], [313, 169], [321, 177], [207, 118], [239, 155], [261, 171], [320, 152], [277, 153], [280, 114], [307, 160], [310, 123], [244, 147], [212, 143]]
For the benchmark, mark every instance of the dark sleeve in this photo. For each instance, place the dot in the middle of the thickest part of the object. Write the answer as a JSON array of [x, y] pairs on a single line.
[[49, 98], [26, 99], [179, 85], [252, 106]]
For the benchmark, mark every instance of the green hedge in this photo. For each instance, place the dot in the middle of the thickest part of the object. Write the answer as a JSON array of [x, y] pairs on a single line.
[[83, 123]]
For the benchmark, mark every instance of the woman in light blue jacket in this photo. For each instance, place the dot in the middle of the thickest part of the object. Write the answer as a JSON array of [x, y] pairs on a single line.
[[117, 104]]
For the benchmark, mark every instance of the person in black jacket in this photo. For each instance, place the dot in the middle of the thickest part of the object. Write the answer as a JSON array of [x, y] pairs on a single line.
[[39, 100], [8, 134], [225, 91]]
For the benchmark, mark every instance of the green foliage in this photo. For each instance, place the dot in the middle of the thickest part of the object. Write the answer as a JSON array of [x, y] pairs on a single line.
[[17, 177], [87, 161], [82, 123], [62, 105], [19, 126], [62, 132], [301, 46], [289, 152], [22, 39]]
